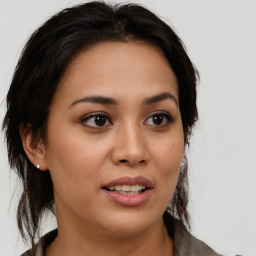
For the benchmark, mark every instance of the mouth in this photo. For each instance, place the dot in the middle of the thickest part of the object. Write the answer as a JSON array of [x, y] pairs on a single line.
[[129, 191]]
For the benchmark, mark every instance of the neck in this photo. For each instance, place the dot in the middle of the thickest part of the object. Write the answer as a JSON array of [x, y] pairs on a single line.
[[75, 241]]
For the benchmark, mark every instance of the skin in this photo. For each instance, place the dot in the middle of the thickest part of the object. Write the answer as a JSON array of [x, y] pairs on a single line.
[[82, 156]]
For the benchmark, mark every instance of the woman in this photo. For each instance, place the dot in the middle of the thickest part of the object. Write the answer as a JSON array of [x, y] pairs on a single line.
[[99, 112]]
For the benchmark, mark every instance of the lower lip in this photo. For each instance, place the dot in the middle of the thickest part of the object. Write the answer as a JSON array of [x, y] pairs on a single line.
[[129, 200]]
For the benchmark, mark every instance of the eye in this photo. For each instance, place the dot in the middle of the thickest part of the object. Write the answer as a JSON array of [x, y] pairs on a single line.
[[159, 119], [96, 120]]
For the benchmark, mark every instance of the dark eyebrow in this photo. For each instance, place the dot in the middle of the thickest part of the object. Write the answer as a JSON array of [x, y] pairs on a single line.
[[160, 97], [95, 99], [110, 101]]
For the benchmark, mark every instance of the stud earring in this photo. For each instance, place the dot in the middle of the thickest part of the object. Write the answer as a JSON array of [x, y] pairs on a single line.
[[38, 166]]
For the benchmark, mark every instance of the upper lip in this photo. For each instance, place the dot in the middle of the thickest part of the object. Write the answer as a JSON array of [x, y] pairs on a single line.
[[126, 180]]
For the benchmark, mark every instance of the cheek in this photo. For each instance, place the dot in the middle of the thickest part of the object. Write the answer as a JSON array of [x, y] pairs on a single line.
[[72, 148], [168, 156], [74, 163]]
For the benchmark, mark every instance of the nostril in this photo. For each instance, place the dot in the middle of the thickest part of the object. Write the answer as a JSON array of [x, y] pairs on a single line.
[[126, 161]]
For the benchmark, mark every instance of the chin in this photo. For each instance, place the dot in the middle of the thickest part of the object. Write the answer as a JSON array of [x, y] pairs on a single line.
[[130, 224]]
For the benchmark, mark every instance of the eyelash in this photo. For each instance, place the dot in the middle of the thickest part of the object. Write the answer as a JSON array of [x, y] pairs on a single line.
[[169, 119]]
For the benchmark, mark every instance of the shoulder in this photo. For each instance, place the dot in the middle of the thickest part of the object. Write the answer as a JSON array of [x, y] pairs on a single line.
[[27, 253], [184, 242], [187, 244], [42, 244]]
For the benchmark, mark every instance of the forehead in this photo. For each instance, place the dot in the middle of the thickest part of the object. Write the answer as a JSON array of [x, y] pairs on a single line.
[[118, 68]]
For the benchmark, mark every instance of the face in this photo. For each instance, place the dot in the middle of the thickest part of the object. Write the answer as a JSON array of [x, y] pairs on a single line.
[[115, 138]]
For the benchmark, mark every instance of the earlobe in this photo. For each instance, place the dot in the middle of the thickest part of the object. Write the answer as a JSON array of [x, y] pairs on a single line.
[[33, 147]]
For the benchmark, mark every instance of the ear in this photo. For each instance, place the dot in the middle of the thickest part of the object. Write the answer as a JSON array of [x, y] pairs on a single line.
[[34, 148]]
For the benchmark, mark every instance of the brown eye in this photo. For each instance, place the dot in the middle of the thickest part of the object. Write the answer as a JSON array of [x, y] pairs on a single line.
[[100, 120], [96, 121], [159, 119]]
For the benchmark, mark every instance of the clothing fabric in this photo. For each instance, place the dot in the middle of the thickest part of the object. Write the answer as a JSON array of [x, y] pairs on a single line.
[[185, 244]]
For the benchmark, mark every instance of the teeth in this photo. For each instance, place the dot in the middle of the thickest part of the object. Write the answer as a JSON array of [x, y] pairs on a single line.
[[128, 188], [128, 193]]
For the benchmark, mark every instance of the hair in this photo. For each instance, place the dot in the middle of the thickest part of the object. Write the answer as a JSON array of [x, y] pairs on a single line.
[[42, 64]]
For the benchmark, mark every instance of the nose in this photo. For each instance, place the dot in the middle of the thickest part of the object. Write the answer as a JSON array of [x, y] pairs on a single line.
[[130, 147]]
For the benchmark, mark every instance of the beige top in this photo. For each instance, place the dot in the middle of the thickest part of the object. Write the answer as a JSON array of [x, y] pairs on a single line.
[[185, 243]]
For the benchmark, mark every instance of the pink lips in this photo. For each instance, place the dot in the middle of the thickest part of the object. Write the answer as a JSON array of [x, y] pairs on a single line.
[[130, 181], [129, 200]]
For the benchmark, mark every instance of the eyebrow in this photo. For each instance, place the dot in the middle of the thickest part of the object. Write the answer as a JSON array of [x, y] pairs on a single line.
[[111, 101], [160, 97], [96, 99]]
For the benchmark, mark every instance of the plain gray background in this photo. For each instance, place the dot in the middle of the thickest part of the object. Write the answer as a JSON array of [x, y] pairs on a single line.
[[220, 38]]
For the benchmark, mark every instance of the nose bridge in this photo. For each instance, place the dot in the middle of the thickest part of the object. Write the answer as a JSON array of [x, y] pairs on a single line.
[[132, 136], [130, 146]]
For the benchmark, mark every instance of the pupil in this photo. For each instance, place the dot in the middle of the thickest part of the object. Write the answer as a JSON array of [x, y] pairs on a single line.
[[157, 119], [100, 120]]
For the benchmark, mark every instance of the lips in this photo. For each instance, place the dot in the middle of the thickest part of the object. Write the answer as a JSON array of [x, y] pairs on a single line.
[[129, 191], [139, 180]]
